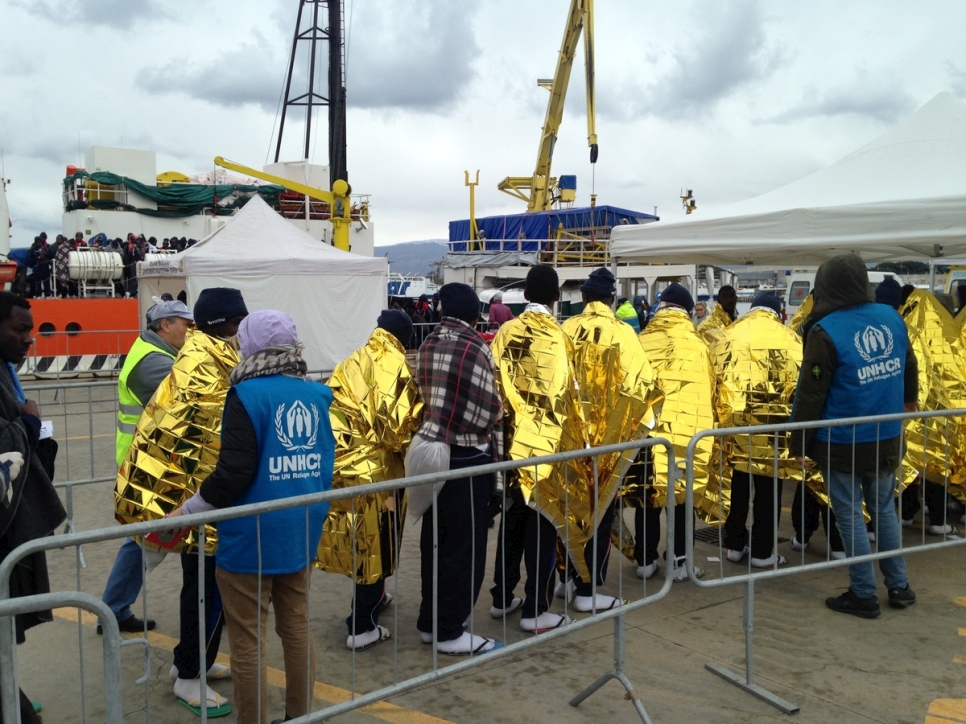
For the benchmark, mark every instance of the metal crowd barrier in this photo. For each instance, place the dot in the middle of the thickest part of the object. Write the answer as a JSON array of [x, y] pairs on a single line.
[[750, 576], [8, 673]]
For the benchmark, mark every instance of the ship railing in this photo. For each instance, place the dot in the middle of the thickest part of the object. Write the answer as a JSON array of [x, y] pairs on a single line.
[[581, 247], [351, 682], [847, 542]]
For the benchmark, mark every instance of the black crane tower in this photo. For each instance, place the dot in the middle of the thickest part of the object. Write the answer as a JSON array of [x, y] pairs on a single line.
[[311, 33]]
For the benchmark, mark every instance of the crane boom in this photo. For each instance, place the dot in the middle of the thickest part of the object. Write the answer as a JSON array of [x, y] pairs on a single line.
[[539, 189], [337, 198]]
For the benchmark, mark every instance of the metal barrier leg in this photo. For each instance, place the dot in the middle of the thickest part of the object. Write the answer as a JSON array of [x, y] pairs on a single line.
[[748, 682], [616, 673]]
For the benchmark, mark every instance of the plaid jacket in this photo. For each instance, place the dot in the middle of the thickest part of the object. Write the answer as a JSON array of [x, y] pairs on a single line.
[[455, 373]]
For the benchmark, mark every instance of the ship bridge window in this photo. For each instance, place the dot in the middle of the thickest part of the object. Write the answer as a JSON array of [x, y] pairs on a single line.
[[72, 328], [47, 329]]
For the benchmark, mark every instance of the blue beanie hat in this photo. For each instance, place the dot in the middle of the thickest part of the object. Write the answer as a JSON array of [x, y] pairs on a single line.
[[678, 294], [600, 283], [217, 305], [398, 324], [460, 301], [764, 299], [889, 292]]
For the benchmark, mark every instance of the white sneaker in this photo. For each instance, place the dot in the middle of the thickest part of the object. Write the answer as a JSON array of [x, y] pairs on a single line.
[[546, 621], [796, 545], [647, 571], [907, 522], [838, 555], [941, 529], [737, 556], [681, 571]]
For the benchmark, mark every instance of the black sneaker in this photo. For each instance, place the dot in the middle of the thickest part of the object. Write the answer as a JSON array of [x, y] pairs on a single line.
[[848, 602], [132, 625], [901, 597]]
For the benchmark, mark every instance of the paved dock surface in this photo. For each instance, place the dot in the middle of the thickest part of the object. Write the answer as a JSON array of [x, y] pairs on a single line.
[[905, 666]]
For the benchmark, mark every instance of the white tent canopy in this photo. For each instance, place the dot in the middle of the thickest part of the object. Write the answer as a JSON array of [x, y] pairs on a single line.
[[901, 197], [334, 296]]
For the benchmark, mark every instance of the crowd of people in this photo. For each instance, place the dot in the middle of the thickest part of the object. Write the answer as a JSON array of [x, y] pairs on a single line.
[[216, 411], [46, 271]]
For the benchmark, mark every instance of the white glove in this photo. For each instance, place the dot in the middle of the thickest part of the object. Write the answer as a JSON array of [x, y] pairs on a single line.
[[13, 462]]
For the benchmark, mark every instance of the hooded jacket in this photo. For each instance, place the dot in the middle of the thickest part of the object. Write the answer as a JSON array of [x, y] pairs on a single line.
[[841, 283]]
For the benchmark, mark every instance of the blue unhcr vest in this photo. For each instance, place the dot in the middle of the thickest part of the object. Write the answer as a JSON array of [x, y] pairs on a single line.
[[870, 344], [296, 451]]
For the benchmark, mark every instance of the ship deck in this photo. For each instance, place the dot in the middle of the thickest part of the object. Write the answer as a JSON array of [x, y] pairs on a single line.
[[897, 668]]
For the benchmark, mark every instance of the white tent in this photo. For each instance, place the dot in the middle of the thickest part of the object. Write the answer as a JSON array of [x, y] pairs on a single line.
[[901, 197], [333, 296]]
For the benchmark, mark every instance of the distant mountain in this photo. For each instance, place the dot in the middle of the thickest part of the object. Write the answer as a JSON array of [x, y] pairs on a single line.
[[413, 257]]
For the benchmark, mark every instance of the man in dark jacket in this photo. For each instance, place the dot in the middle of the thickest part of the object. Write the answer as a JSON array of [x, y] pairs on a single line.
[[857, 362], [29, 506]]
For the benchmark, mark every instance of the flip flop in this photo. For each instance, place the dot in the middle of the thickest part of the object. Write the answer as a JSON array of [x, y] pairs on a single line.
[[614, 603], [561, 621], [478, 651], [221, 708], [38, 707], [217, 672], [384, 635]]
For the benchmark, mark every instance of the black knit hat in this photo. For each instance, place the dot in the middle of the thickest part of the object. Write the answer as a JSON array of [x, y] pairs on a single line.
[[764, 299], [398, 324], [460, 301], [217, 305], [600, 283], [678, 294], [889, 292]]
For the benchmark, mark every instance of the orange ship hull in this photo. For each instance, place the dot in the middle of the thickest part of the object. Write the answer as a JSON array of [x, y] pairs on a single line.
[[82, 328]]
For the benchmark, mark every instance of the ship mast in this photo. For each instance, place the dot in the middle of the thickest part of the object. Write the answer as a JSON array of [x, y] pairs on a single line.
[[312, 35]]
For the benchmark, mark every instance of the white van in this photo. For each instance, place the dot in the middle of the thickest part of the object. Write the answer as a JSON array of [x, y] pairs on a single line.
[[801, 283]]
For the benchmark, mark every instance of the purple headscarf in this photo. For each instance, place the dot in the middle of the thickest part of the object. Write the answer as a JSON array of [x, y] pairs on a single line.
[[267, 328]]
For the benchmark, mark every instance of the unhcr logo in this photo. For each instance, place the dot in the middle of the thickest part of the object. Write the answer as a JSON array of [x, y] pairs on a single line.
[[875, 345], [297, 429]]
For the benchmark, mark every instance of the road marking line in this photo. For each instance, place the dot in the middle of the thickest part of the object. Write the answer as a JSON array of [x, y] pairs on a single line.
[[961, 601], [959, 659], [325, 692], [962, 632], [88, 437], [946, 711]]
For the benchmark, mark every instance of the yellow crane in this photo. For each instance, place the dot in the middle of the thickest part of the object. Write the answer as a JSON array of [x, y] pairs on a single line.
[[541, 190], [337, 198]]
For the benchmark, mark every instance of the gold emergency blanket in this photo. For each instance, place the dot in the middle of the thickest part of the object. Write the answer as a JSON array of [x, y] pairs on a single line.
[[618, 394], [682, 365], [375, 410], [178, 437], [798, 319], [537, 381], [756, 363], [936, 447], [712, 327]]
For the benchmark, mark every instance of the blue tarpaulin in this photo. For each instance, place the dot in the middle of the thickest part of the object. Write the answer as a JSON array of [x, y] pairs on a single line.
[[527, 229]]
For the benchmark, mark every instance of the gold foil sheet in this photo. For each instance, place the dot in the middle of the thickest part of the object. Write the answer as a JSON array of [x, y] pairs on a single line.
[[178, 438], [798, 319], [756, 363], [618, 395], [375, 411], [537, 381], [682, 364], [711, 328], [936, 447]]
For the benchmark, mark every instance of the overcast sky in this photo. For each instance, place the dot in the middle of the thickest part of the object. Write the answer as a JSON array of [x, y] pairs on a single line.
[[731, 99]]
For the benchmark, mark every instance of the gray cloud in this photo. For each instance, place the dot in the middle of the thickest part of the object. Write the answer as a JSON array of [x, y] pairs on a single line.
[[118, 14], [876, 97], [247, 74], [726, 50], [418, 56]]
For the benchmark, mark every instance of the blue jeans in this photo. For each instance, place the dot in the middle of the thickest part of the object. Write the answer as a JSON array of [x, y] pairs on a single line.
[[124, 583], [847, 492]]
